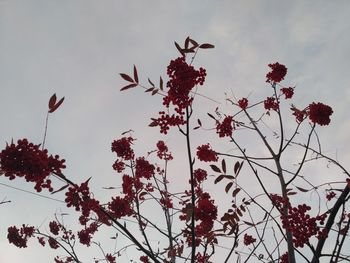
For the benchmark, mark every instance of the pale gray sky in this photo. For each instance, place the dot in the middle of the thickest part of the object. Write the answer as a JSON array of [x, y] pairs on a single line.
[[77, 48]]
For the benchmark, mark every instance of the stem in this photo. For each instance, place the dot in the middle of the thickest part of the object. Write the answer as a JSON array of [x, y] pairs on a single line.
[[193, 197]]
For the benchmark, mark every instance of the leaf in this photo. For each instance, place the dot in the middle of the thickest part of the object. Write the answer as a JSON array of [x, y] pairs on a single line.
[[206, 45], [239, 212], [132, 85], [52, 101], [248, 223], [135, 75], [187, 42], [154, 92], [242, 208], [179, 49], [54, 108], [302, 189], [228, 187], [215, 168], [150, 82], [194, 43], [108, 188], [235, 192], [211, 116], [237, 165], [161, 83], [61, 189], [199, 122], [219, 178], [291, 193], [150, 89], [223, 165], [126, 77]]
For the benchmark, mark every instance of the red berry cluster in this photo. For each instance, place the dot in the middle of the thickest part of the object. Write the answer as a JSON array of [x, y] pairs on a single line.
[[288, 92], [29, 161], [144, 168], [226, 127], [248, 239], [243, 103], [298, 222], [206, 154], [19, 237], [182, 79], [85, 234], [277, 74], [165, 121], [271, 104], [199, 176], [120, 207], [284, 258], [162, 151], [330, 195], [319, 113], [122, 148]]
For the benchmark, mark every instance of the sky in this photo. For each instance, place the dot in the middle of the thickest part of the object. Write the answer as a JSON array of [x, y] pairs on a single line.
[[77, 48]]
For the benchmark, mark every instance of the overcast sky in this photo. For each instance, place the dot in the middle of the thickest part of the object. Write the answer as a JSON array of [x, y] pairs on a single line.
[[77, 48]]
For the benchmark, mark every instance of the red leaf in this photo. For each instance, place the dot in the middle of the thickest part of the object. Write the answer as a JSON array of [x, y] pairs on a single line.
[[135, 75], [55, 107], [235, 192], [215, 168], [132, 85], [126, 77], [52, 101], [206, 45]]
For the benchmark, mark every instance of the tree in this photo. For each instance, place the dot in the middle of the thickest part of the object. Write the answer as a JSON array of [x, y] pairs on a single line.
[[258, 221]]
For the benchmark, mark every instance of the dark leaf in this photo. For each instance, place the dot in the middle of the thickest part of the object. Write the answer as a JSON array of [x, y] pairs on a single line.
[[187, 42], [150, 89], [223, 165], [215, 168], [179, 49], [126, 77], [302, 189], [248, 223], [54, 108], [206, 45], [154, 92], [242, 208], [150, 82], [219, 178], [153, 124], [194, 43], [161, 83], [52, 101], [199, 122], [211, 116], [135, 75], [291, 193], [228, 187], [239, 212], [132, 85], [61, 189], [235, 192], [237, 165]]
